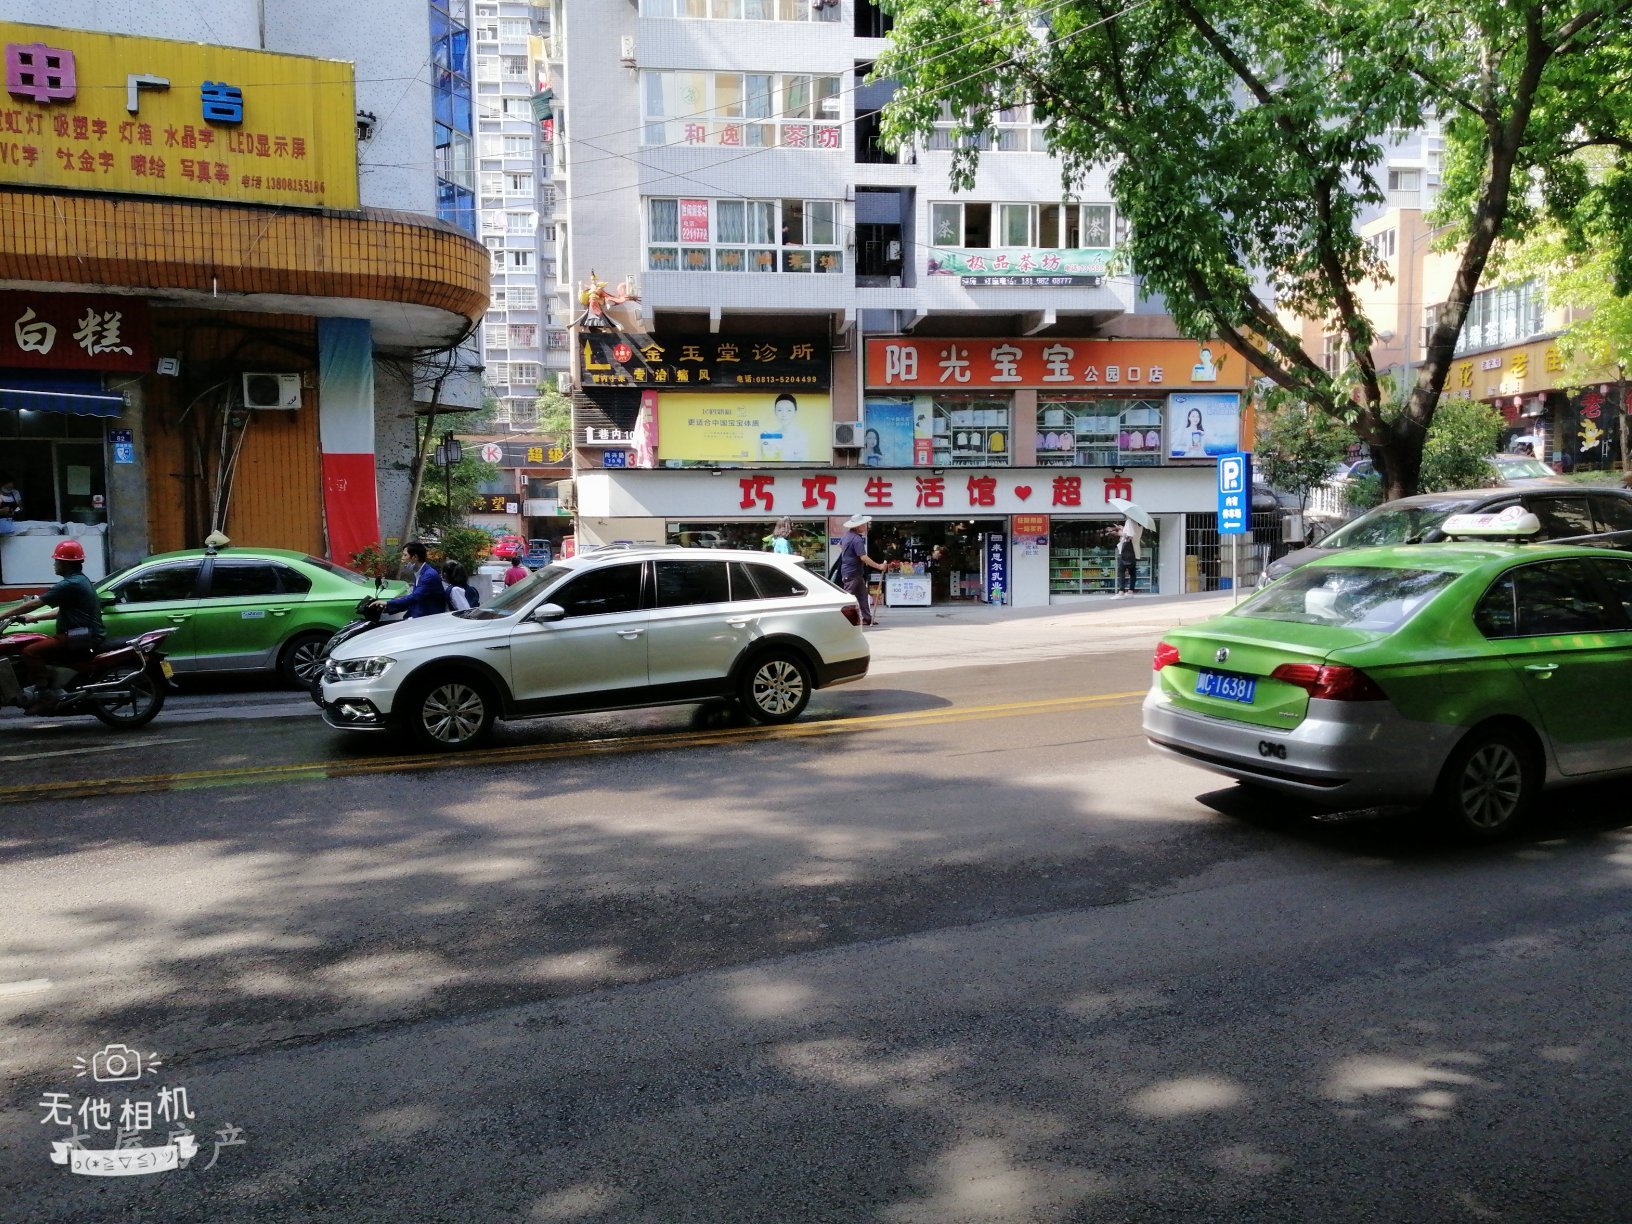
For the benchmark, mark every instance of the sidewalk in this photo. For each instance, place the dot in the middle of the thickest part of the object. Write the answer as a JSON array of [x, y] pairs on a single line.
[[959, 635]]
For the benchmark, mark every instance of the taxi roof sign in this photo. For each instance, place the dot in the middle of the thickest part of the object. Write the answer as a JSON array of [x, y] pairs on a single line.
[[1513, 523]]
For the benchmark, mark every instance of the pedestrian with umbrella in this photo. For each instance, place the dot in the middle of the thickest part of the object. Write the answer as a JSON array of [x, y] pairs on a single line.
[[1128, 539]]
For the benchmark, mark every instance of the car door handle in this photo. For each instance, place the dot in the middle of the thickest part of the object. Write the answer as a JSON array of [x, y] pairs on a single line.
[[630, 635], [278, 611], [180, 618], [741, 624], [1541, 669]]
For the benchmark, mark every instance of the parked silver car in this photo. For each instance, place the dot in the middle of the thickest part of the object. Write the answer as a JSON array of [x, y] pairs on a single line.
[[610, 629], [1566, 511]]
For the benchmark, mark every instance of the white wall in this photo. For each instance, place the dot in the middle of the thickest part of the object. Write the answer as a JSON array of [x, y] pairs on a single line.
[[227, 23], [390, 42]]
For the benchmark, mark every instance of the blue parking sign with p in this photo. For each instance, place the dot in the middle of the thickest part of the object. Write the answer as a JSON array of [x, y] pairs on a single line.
[[1235, 493]]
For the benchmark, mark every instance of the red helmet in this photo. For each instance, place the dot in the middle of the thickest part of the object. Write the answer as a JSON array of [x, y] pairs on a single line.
[[68, 550]]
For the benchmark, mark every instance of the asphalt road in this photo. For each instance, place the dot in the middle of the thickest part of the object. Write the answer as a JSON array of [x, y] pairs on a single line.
[[954, 947]]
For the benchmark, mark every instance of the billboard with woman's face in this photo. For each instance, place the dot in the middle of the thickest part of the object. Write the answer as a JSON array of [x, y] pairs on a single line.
[[744, 427], [887, 433], [1202, 425]]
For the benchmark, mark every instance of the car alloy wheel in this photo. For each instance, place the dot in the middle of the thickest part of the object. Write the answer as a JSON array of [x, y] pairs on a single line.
[[776, 688], [302, 661], [1488, 785], [453, 713]]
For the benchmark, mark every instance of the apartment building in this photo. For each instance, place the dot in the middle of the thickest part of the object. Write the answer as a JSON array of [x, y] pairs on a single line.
[[788, 319], [234, 232]]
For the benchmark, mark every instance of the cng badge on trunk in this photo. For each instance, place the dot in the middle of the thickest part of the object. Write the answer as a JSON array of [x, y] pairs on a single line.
[[1223, 655]]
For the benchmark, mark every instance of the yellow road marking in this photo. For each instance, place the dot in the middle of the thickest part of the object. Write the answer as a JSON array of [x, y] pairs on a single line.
[[199, 778]]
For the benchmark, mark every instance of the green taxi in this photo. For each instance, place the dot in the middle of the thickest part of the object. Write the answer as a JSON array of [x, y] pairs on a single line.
[[236, 609], [1466, 675]]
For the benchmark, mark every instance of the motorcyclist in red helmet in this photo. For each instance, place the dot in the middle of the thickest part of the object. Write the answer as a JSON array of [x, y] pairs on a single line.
[[79, 622]]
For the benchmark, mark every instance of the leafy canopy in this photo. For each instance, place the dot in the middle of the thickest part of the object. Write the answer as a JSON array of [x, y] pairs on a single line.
[[1244, 138]]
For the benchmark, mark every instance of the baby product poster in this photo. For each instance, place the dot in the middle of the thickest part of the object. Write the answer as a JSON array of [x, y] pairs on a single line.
[[1202, 426]]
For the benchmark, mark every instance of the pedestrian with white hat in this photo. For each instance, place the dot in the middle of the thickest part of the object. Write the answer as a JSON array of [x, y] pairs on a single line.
[[854, 564]]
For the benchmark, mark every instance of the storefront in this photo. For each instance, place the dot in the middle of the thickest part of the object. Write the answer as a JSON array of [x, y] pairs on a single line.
[[1570, 418], [988, 466]]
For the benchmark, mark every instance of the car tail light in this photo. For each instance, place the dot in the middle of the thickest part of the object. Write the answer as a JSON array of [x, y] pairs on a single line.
[[851, 613], [1330, 682], [1166, 653]]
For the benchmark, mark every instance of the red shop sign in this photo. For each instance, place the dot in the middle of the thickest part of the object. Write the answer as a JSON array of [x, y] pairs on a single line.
[[74, 331]]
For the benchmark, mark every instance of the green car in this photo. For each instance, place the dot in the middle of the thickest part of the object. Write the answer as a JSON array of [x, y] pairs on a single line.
[[1467, 675], [236, 609]]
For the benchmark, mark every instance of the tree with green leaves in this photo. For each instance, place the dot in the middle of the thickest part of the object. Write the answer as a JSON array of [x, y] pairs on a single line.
[[554, 416], [1461, 440], [1242, 140], [1297, 447], [445, 497]]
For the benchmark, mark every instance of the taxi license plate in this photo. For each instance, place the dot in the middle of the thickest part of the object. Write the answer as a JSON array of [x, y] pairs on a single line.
[[1226, 686], [164, 666]]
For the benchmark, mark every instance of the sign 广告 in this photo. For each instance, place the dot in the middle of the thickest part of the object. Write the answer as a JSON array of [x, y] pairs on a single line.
[[110, 112], [743, 427]]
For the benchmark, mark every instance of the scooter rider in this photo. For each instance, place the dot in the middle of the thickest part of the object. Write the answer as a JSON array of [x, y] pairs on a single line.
[[79, 622], [427, 596]]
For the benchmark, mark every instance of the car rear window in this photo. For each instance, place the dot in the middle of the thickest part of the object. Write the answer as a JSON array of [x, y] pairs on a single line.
[[768, 581], [1397, 524], [1347, 596], [339, 571]]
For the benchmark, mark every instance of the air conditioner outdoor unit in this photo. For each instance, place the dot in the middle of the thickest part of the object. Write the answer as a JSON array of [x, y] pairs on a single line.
[[566, 494], [846, 435], [272, 391]]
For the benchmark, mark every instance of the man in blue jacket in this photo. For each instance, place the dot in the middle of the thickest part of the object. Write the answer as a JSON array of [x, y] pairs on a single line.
[[427, 596]]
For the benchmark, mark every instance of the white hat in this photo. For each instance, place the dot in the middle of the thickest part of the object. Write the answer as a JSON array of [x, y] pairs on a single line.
[[861, 520]]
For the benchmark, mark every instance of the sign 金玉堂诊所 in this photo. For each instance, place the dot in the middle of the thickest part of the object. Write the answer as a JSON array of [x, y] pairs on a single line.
[[705, 363]]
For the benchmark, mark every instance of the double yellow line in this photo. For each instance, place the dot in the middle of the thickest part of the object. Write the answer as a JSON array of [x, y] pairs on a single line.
[[522, 753]]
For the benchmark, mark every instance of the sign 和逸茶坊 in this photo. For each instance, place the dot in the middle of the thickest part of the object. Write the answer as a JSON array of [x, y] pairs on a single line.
[[74, 331], [710, 363], [111, 112], [1057, 364]]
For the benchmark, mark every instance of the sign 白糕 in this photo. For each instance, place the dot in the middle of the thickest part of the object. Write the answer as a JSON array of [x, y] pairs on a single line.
[[74, 331]]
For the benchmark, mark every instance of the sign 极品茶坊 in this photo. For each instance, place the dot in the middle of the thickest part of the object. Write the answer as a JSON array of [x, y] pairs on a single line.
[[99, 112], [1021, 266], [708, 363]]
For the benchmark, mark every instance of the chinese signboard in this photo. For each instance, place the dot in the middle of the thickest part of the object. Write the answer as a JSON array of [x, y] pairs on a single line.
[[967, 491], [1021, 266], [693, 220], [525, 454], [982, 364], [108, 112], [72, 331], [741, 427], [709, 362], [1235, 494]]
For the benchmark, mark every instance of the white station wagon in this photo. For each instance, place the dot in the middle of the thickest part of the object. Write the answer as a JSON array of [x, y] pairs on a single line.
[[615, 628]]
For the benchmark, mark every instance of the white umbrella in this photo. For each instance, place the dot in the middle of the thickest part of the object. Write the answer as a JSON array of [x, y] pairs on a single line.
[[1134, 512]]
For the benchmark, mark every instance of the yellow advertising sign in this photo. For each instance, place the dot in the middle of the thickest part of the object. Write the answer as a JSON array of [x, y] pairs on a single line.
[[110, 112], [745, 427]]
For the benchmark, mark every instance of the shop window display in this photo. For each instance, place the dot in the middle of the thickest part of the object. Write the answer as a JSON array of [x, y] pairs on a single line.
[[1099, 433], [1082, 558], [809, 537], [972, 431]]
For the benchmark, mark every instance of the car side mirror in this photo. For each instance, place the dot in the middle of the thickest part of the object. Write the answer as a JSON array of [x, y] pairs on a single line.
[[108, 601], [547, 612]]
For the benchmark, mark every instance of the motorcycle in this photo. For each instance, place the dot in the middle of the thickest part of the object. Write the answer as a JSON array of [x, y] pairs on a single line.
[[367, 615], [123, 682]]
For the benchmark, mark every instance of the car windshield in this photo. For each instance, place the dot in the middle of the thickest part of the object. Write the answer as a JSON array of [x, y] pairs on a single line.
[[1521, 468], [339, 571], [1347, 596], [1394, 524], [513, 598]]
